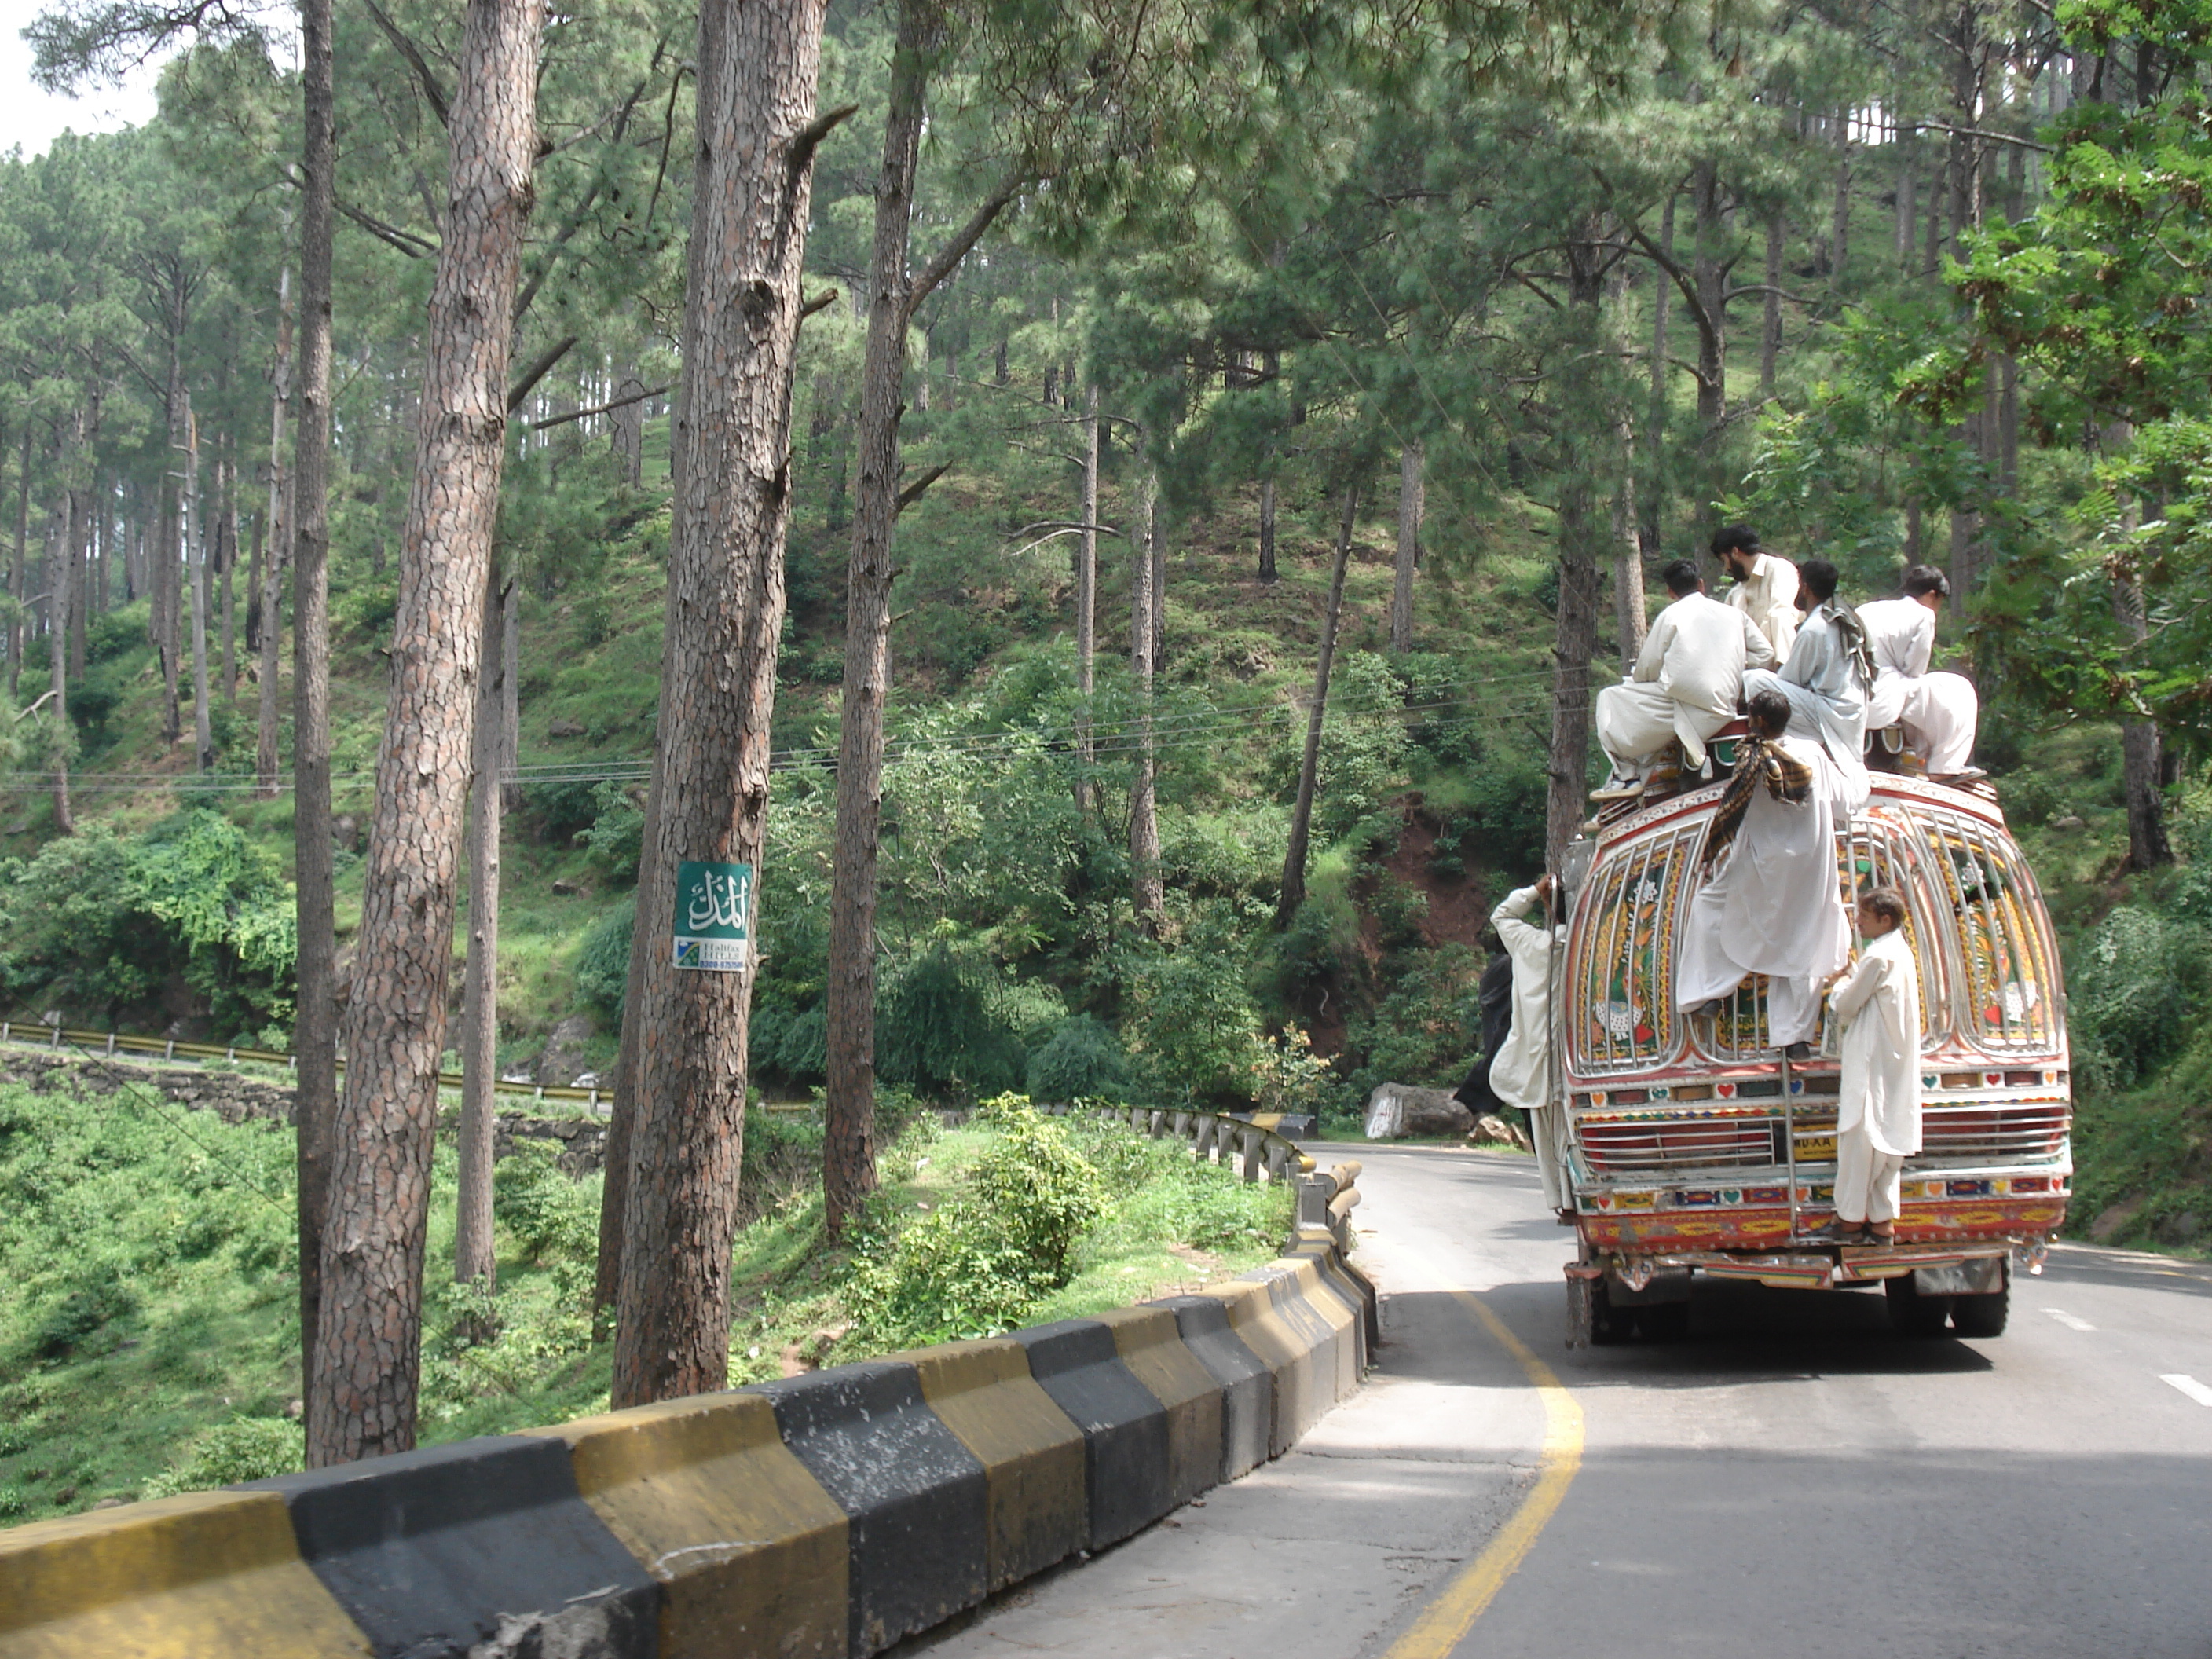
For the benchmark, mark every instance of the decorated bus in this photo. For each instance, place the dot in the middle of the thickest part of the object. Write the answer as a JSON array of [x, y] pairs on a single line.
[[1699, 1148]]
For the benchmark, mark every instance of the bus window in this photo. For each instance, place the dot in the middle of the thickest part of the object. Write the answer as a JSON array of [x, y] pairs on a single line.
[[1884, 849], [2003, 950], [1621, 989]]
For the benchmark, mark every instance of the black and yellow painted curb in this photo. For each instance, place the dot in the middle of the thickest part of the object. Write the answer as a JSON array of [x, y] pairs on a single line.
[[822, 1516]]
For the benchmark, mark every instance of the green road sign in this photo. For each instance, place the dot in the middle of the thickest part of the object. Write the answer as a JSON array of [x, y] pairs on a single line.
[[713, 916]]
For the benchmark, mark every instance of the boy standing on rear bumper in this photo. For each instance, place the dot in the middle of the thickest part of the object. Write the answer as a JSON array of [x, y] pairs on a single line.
[[1878, 1096]]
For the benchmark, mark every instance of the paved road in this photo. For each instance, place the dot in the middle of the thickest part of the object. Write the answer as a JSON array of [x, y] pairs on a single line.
[[1790, 1478]]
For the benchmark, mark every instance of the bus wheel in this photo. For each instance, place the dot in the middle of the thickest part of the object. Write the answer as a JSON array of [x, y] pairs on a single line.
[[1981, 1316], [1912, 1314], [1608, 1324], [1665, 1322]]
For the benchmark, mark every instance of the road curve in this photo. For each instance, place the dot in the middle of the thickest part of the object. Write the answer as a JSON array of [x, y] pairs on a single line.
[[1792, 1477]]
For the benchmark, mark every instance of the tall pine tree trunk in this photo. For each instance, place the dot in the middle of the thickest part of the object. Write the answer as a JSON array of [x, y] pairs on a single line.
[[268, 575], [1627, 557], [1294, 856], [368, 1343], [757, 133], [1411, 501], [1709, 272], [166, 569], [1651, 506], [1770, 333], [58, 609], [474, 1258], [16, 591], [848, 1111], [196, 561], [510, 694], [1086, 598], [1267, 529], [1146, 897], [1575, 637]]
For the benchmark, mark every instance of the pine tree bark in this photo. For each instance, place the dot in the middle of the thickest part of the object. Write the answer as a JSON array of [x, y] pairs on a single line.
[[167, 571], [1294, 857], [1710, 271], [1411, 503], [1086, 599], [1770, 333], [303, 524], [58, 610], [2148, 846], [1148, 896], [510, 695], [757, 65], [475, 1259], [16, 591], [368, 1349], [1627, 557], [226, 558], [1267, 529], [1652, 505], [196, 562], [848, 1111]]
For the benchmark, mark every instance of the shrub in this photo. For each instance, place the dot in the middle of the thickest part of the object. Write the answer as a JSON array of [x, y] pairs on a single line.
[[936, 1033], [553, 1218], [1038, 1184], [603, 960], [244, 1448], [1082, 1059], [617, 836], [2131, 991], [1193, 1018]]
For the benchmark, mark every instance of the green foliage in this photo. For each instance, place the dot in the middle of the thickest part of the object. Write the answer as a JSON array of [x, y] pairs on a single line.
[[1082, 1059], [244, 1448], [603, 961], [96, 924], [1037, 1184], [938, 1032], [1192, 1016], [617, 836], [2131, 990], [552, 1217]]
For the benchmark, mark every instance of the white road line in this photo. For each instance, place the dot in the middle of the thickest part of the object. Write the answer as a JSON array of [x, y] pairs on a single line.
[[2191, 1387], [2072, 1321]]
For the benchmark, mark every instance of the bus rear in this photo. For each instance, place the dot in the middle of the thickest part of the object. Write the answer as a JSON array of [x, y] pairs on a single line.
[[1697, 1148]]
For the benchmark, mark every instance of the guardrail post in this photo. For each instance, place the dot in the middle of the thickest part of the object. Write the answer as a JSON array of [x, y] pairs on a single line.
[[169, 1049], [1183, 1125], [1157, 1124], [1314, 1192], [111, 1043], [1250, 1138]]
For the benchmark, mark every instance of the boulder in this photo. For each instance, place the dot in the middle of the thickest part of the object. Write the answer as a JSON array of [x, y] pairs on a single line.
[[1396, 1110], [562, 1061]]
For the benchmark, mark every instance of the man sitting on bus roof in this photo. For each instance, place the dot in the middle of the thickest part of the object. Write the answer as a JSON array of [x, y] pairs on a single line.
[[1938, 712], [1765, 587], [1827, 677], [1522, 1073], [1686, 682], [1770, 904]]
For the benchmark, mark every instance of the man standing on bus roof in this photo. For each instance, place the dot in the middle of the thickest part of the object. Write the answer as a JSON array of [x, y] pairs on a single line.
[[1521, 1074], [1878, 1095], [1938, 712], [1766, 585], [1827, 677], [1772, 904], [1687, 683]]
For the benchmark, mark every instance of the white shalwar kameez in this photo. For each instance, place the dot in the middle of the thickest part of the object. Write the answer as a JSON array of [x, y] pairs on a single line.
[[1939, 712], [1688, 683], [1878, 1095], [1774, 907], [1769, 597], [1521, 1074], [1828, 698]]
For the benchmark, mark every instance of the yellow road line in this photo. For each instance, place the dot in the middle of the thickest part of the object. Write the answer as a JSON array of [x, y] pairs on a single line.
[[1446, 1620]]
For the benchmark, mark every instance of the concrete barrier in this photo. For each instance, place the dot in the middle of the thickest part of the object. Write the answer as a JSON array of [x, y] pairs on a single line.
[[916, 1499], [1248, 1388], [482, 1547], [1151, 1345], [748, 1549], [210, 1573], [1124, 1427], [820, 1515], [1031, 1452]]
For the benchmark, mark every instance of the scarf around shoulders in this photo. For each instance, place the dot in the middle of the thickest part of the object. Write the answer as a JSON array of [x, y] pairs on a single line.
[[1788, 779], [1851, 634]]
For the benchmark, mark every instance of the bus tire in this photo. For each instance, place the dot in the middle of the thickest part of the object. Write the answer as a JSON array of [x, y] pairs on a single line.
[[1665, 1322], [1982, 1315], [1608, 1325], [1912, 1314]]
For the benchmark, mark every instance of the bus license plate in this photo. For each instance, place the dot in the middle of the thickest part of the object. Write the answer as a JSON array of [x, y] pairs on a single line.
[[1814, 1148]]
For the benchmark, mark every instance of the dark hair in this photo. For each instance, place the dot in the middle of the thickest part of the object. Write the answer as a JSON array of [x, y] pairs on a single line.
[[1925, 579], [1682, 577], [1819, 577], [1735, 536], [1770, 711], [1885, 902]]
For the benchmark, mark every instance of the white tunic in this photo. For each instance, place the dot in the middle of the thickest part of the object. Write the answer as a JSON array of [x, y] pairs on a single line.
[[1521, 1074], [1775, 906], [1940, 712], [1769, 597], [1688, 683], [1879, 1002], [1828, 698]]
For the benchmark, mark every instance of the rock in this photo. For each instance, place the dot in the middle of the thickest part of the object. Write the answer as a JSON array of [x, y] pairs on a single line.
[[1495, 1131], [564, 729], [2110, 1220], [562, 1061], [2070, 822], [345, 833], [587, 1080], [570, 889], [2182, 1228], [1396, 1110]]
